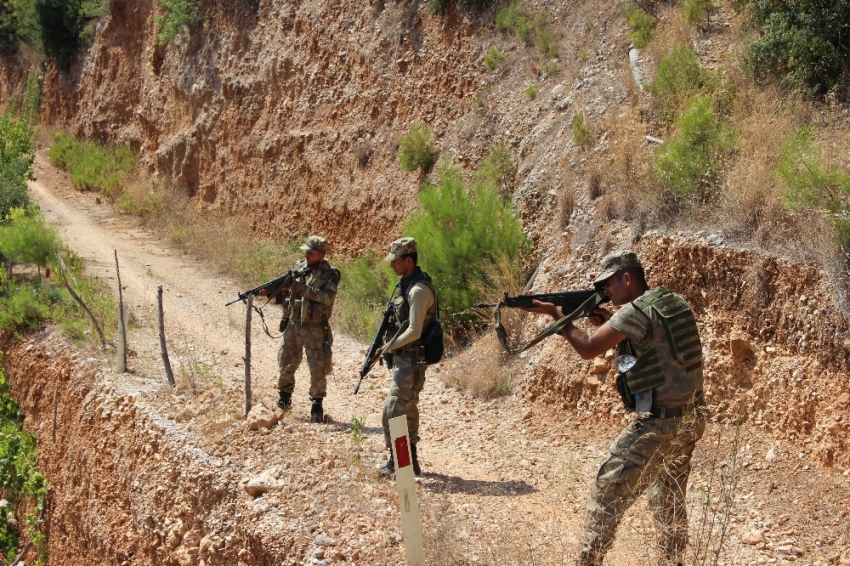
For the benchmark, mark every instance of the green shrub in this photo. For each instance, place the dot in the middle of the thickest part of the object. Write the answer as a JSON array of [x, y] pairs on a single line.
[[464, 228], [802, 43], [643, 28], [531, 92], [17, 154], [18, 23], [145, 209], [532, 30], [498, 167], [680, 77], [809, 184], [91, 166], [176, 18], [22, 485], [696, 12], [416, 149], [438, 6], [689, 164], [27, 238], [581, 130], [524, 29], [543, 37], [507, 17], [363, 292], [23, 306], [493, 58], [65, 26]]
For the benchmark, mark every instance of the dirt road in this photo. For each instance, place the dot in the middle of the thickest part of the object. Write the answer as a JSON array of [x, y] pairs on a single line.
[[505, 481]]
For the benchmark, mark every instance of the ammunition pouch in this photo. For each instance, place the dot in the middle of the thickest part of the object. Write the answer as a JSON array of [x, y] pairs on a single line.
[[625, 393], [326, 335]]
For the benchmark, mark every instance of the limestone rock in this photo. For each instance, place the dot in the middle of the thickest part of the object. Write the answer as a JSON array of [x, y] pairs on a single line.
[[752, 537], [261, 417], [261, 484], [742, 350]]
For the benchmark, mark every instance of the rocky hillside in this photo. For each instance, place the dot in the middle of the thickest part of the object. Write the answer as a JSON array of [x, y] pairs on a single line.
[[288, 114]]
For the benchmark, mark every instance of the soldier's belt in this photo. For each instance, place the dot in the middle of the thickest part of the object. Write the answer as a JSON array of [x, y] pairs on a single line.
[[675, 412]]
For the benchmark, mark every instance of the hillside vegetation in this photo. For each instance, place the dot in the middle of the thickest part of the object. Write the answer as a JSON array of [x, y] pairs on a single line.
[[747, 96]]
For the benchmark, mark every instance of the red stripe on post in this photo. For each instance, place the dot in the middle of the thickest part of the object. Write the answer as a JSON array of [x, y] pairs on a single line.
[[401, 452]]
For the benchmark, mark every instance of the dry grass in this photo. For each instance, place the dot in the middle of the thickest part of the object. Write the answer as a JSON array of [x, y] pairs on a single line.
[[625, 173], [484, 372], [567, 195], [207, 234]]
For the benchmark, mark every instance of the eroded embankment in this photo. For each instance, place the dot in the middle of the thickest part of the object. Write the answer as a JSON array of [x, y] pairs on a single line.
[[127, 486], [776, 343]]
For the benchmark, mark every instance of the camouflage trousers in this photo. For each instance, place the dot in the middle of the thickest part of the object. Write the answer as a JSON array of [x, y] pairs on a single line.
[[298, 338], [403, 398], [651, 455]]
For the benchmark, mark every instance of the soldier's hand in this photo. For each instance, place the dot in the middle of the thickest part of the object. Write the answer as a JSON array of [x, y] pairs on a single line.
[[543, 308], [599, 316], [297, 286], [377, 355], [263, 292]]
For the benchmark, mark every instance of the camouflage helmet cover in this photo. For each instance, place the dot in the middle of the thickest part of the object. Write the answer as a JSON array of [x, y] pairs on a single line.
[[617, 261], [402, 246], [315, 243]]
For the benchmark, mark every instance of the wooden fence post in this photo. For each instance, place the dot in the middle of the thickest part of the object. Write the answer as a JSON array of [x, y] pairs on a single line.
[[247, 358], [122, 332], [162, 347]]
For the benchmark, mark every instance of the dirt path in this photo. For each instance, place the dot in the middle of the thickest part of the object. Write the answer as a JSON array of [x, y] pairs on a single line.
[[505, 481]]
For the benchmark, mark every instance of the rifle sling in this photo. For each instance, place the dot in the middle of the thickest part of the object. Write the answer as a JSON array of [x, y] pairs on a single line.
[[554, 328], [259, 311]]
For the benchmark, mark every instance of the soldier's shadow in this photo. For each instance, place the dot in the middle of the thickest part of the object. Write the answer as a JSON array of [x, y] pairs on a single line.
[[453, 484]]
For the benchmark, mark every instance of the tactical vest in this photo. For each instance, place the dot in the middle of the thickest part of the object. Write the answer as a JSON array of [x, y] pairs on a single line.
[[401, 305], [652, 370], [303, 310]]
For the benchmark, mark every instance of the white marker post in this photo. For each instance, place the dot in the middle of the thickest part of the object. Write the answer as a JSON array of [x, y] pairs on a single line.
[[407, 492]]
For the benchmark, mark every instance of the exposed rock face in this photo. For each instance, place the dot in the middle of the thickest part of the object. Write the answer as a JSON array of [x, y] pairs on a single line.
[[126, 477], [773, 340], [259, 113]]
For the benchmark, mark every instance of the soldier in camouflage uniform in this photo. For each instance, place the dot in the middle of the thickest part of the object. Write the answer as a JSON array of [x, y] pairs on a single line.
[[306, 311], [664, 386], [415, 307]]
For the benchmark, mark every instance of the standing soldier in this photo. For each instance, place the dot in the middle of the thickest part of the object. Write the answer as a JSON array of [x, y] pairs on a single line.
[[306, 311], [414, 308], [661, 379]]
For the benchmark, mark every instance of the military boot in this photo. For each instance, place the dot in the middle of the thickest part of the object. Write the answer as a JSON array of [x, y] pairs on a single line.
[[388, 469], [285, 401], [416, 469], [317, 414]]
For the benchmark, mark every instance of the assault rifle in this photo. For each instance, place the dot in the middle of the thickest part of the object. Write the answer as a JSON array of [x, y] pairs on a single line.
[[376, 344], [274, 286], [569, 301], [574, 305]]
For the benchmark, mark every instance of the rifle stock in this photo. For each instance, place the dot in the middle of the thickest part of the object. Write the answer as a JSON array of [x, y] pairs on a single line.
[[274, 286], [376, 344]]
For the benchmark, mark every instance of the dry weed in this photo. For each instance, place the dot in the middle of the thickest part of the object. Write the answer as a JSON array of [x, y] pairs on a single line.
[[484, 373], [567, 194], [625, 173]]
